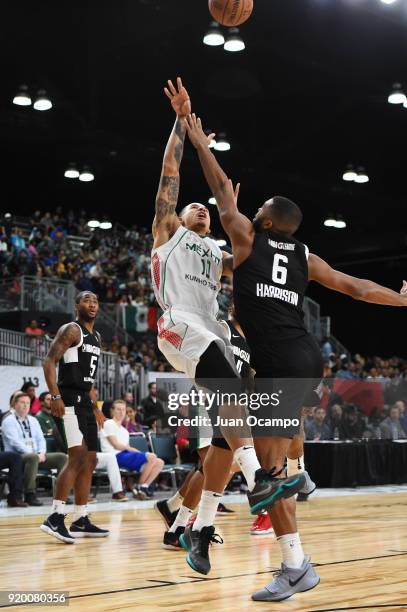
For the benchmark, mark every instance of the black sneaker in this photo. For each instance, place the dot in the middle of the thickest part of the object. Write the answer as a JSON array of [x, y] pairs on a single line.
[[32, 500], [83, 528], [166, 515], [197, 545], [269, 489], [54, 525], [223, 510], [171, 540]]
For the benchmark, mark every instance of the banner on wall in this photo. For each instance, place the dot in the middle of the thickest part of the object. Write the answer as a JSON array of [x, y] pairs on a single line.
[[12, 378]]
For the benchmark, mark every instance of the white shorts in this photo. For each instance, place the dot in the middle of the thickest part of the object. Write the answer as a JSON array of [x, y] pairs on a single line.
[[183, 336]]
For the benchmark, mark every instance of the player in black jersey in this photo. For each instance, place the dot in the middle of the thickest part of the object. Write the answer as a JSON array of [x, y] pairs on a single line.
[[76, 348], [271, 273]]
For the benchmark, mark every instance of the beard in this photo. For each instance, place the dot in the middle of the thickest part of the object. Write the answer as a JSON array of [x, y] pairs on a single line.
[[257, 225]]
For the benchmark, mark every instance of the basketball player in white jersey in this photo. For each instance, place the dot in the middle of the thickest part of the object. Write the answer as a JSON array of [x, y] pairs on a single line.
[[186, 268]]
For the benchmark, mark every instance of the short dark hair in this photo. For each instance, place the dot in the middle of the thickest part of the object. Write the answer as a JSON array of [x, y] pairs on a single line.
[[44, 395], [27, 385], [151, 384], [285, 215], [81, 294]]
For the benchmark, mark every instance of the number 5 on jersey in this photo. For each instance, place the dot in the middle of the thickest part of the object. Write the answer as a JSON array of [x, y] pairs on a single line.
[[93, 364]]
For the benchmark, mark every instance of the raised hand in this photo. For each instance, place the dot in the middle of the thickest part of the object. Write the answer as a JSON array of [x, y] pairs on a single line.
[[403, 290], [195, 132], [180, 100]]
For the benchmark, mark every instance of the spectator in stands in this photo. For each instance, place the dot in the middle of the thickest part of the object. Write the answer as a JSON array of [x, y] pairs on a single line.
[[391, 428], [326, 349], [151, 407], [335, 421], [29, 388], [22, 434], [352, 424], [14, 464], [33, 329], [317, 429], [403, 414], [17, 239], [47, 423], [116, 439], [345, 369], [130, 421], [108, 462]]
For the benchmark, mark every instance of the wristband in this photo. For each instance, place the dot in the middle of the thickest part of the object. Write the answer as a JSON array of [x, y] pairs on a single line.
[[55, 397]]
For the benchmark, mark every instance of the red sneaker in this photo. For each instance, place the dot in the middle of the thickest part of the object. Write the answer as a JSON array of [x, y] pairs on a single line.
[[191, 520], [262, 525]]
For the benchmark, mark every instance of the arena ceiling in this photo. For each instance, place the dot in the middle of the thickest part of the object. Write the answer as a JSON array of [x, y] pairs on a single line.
[[306, 97]]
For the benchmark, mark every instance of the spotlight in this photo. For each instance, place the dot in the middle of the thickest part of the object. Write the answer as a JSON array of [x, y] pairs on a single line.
[[221, 243], [71, 172], [388, 1], [222, 144], [234, 41], [22, 97], [93, 223], [330, 221], [42, 102], [340, 223], [212, 144], [361, 176], [212, 200], [397, 95], [106, 225], [86, 175], [214, 36], [349, 174]]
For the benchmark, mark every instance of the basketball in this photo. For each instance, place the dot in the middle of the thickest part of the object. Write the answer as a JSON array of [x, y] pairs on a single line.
[[231, 12]]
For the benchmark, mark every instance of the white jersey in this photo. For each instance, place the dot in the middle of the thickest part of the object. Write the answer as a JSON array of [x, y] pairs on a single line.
[[186, 273]]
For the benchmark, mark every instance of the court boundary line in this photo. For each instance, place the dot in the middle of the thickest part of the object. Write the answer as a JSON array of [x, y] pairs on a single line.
[[193, 580]]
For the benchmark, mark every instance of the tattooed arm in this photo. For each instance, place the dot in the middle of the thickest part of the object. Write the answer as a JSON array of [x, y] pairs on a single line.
[[67, 336], [166, 221]]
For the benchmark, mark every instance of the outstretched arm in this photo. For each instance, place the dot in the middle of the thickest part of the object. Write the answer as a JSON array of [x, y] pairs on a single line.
[[357, 288], [166, 221], [237, 226]]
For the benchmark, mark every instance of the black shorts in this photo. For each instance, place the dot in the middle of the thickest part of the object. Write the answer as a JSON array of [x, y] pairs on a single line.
[[292, 369], [78, 424]]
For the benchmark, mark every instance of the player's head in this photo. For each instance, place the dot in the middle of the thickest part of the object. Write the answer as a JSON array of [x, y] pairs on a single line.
[[196, 217], [280, 215], [86, 305]]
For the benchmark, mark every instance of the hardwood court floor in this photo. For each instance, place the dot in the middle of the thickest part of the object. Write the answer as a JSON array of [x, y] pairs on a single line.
[[359, 544]]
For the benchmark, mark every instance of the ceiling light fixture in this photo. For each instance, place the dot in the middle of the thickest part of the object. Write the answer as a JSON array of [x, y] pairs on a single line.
[[86, 176], [397, 96], [42, 102], [222, 144], [361, 176], [22, 97], [234, 41], [106, 225], [212, 201], [71, 172], [214, 36], [93, 223], [349, 174]]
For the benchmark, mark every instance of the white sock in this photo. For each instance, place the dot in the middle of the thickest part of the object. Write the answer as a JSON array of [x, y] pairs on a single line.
[[291, 550], [58, 506], [81, 511], [246, 457], [182, 519], [301, 463], [175, 502], [207, 510]]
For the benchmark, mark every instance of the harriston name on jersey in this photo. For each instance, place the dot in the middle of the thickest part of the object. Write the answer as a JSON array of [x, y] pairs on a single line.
[[263, 290]]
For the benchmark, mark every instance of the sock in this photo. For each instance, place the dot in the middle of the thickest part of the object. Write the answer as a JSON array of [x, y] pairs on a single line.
[[246, 457], [291, 550], [58, 506], [293, 467], [182, 519], [301, 463], [175, 502], [81, 511], [207, 510]]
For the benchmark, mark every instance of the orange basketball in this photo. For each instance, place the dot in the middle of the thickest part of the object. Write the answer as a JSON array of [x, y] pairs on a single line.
[[231, 12]]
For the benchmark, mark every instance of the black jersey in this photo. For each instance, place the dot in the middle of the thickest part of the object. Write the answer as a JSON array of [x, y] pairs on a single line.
[[241, 351], [79, 364], [269, 288]]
